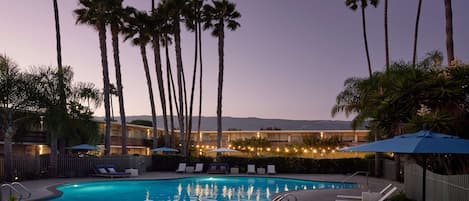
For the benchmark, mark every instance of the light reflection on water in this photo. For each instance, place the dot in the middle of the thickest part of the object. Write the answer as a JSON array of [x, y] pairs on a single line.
[[190, 189]]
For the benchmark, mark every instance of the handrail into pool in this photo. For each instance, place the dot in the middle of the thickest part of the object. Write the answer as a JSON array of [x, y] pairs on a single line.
[[285, 197], [11, 188], [26, 190], [356, 173]]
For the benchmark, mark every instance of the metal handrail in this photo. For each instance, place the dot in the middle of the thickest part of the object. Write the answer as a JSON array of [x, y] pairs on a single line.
[[12, 188], [286, 197], [26, 190], [356, 173]]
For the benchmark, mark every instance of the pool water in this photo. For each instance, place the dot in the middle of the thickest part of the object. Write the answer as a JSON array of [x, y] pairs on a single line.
[[216, 188]]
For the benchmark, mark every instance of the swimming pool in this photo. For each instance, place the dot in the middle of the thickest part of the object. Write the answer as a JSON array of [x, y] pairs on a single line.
[[217, 188]]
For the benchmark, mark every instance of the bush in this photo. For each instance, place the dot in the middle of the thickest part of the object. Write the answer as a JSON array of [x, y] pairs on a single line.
[[282, 164]]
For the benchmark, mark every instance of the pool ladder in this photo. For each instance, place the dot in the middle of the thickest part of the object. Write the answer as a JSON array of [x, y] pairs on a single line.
[[356, 173], [285, 197], [16, 188]]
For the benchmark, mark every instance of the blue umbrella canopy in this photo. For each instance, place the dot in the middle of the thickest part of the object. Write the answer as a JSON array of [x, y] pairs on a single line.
[[84, 147], [164, 149], [422, 142]]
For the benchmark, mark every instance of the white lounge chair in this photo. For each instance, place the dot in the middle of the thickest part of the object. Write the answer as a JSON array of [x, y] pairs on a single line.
[[181, 168], [360, 197], [374, 196], [271, 169], [251, 169], [199, 167]]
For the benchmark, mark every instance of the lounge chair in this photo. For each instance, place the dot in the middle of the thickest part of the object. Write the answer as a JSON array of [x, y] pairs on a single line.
[[271, 169], [373, 196], [181, 168], [360, 197], [109, 171], [199, 167], [217, 168], [251, 169]]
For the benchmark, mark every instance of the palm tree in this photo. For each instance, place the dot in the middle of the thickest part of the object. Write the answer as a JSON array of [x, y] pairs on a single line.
[[15, 93], [386, 38], [193, 20], [138, 30], [175, 9], [53, 158], [94, 13], [222, 12], [116, 19], [353, 4], [157, 23], [414, 57], [449, 31]]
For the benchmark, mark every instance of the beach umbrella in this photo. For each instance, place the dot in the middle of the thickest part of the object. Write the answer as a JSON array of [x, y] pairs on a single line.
[[422, 142], [164, 149], [84, 147]]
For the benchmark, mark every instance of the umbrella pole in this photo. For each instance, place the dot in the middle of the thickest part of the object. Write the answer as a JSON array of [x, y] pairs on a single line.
[[424, 175]]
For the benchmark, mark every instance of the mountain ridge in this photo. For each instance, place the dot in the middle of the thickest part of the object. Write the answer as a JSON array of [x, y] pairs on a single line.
[[253, 123]]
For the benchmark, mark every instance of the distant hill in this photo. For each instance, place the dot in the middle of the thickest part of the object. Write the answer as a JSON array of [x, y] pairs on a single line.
[[252, 123]]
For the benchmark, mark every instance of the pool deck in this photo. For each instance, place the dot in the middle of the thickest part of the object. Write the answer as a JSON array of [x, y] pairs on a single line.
[[43, 188]]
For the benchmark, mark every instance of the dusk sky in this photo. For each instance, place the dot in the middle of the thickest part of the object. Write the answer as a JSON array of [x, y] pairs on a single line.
[[288, 59]]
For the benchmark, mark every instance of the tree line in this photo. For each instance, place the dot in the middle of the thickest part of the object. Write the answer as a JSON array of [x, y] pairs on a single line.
[[161, 28]]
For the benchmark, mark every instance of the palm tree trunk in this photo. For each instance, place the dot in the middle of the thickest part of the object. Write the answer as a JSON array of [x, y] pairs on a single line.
[[414, 57], [120, 92], [168, 79], [365, 40], [221, 38], [102, 46], [199, 29], [177, 39], [159, 77], [62, 98], [449, 31], [194, 73], [386, 33], [143, 53]]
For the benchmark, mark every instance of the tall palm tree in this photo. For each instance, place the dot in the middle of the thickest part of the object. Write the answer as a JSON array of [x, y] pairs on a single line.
[[61, 88], [449, 31], [199, 29], [94, 13], [386, 38], [138, 30], [156, 25], [175, 9], [116, 20], [353, 4], [222, 12], [414, 57], [193, 18]]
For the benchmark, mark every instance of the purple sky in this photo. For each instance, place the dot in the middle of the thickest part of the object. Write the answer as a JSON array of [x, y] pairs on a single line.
[[288, 59]]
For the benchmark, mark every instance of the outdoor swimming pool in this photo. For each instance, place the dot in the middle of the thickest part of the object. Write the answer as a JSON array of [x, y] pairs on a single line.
[[217, 188]]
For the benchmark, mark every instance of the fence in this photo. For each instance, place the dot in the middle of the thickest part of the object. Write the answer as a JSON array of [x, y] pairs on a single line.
[[438, 187], [31, 167]]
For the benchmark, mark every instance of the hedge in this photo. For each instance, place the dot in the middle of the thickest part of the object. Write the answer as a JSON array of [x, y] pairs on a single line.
[[282, 164]]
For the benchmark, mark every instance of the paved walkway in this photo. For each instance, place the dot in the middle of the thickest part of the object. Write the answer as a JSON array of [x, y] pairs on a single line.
[[45, 188]]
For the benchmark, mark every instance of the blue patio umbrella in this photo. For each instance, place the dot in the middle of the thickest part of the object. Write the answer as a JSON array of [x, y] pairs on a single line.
[[84, 147], [164, 149], [422, 142]]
